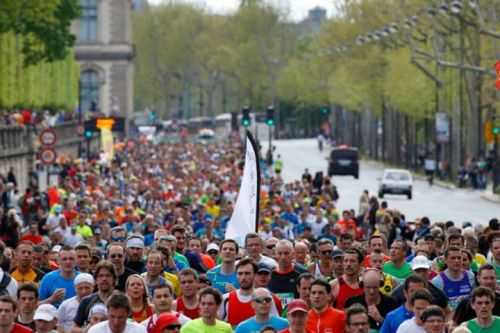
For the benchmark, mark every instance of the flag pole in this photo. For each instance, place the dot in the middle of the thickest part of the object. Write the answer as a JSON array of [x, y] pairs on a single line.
[[257, 161]]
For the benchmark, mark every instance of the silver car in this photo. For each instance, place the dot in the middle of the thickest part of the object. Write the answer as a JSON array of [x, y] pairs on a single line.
[[396, 181]]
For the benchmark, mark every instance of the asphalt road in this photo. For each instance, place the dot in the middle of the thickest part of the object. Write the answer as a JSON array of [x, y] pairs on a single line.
[[437, 203]]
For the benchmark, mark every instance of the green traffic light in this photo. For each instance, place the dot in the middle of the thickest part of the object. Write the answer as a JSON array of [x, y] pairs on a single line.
[[270, 122], [496, 130], [245, 123], [88, 134]]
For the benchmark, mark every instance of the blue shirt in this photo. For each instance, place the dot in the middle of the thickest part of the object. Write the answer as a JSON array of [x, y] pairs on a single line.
[[252, 326], [219, 279], [395, 318], [290, 217], [52, 281]]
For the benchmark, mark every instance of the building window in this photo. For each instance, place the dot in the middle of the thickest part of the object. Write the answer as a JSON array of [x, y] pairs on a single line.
[[89, 91], [88, 20]]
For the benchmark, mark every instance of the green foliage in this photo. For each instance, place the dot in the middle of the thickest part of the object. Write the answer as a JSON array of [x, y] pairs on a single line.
[[44, 27], [46, 84]]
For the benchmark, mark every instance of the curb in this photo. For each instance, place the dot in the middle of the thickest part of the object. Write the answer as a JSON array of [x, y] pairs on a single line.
[[437, 183], [491, 197]]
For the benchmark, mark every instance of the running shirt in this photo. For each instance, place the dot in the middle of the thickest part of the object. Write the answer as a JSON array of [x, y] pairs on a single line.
[[285, 284], [398, 273], [455, 290], [198, 326], [182, 308], [252, 326], [219, 280], [475, 328], [345, 292]]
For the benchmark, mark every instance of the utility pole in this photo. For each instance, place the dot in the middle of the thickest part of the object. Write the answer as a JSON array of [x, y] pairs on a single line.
[[460, 95]]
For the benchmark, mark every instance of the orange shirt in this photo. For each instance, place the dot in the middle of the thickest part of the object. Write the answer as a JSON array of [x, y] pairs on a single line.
[[329, 321], [367, 262], [208, 261]]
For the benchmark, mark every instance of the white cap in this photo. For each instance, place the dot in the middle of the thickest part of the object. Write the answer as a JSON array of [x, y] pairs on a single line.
[[420, 262], [56, 248], [213, 246], [45, 312], [98, 308], [84, 278]]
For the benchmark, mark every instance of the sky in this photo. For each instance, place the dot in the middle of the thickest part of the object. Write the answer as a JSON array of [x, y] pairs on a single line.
[[298, 8]]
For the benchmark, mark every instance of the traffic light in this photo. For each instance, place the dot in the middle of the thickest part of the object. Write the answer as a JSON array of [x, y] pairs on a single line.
[[325, 111], [88, 134], [270, 116], [245, 121], [496, 125]]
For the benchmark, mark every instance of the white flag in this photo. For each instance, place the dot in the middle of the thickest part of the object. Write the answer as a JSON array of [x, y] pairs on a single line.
[[246, 210]]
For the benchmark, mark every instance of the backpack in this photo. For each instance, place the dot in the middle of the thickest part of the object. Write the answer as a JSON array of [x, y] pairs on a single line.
[[4, 284]]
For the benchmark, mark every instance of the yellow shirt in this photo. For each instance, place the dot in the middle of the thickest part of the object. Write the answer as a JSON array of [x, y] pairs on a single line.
[[480, 259], [84, 231], [174, 281], [30, 276], [213, 210]]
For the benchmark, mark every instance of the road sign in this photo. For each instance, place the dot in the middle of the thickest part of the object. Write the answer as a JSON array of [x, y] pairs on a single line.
[[48, 156], [48, 137], [80, 130], [442, 127]]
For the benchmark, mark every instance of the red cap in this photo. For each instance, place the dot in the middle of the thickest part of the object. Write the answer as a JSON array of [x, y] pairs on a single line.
[[166, 319], [297, 305]]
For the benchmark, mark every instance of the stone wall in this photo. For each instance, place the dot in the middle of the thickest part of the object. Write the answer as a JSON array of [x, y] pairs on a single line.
[[19, 147]]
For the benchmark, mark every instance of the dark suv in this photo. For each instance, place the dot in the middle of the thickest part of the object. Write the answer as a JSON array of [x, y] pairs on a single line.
[[343, 161]]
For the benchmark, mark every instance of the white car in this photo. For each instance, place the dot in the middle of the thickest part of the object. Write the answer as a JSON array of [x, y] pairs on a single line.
[[396, 181]]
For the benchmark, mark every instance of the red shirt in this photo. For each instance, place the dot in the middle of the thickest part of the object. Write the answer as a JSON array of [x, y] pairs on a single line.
[[18, 328], [35, 239], [329, 321], [287, 330], [367, 262], [190, 313], [346, 225]]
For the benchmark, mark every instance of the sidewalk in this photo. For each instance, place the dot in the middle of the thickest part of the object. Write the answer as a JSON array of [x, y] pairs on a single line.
[[436, 182], [490, 196]]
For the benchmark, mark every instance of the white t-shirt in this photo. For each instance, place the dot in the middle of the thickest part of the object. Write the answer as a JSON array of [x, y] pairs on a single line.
[[131, 327], [67, 312], [410, 325], [182, 319], [11, 287]]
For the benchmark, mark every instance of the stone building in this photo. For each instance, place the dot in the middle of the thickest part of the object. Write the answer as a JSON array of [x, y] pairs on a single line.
[[105, 52]]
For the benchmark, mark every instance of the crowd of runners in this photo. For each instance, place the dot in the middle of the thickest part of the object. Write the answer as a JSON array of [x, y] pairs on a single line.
[[137, 244]]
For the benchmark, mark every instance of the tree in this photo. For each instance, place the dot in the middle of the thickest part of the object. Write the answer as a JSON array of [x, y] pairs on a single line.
[[44, 27]]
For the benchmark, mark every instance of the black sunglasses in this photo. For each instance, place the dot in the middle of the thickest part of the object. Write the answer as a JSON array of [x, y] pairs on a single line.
[[173, 327], [327, 252], [261, 300]]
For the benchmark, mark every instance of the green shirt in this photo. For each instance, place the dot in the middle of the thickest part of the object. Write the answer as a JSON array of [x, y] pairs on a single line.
[[198, 326], [475, 328], [497, 269], [399, 274], [85, 231], [181, 258]]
